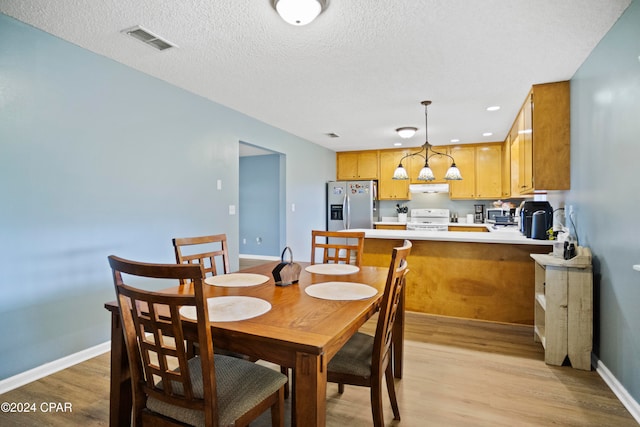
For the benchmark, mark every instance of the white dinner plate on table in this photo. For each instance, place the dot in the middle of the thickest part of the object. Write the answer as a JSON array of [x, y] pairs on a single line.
[[335, 269], [230, 308], [236, 279], [341, 291]]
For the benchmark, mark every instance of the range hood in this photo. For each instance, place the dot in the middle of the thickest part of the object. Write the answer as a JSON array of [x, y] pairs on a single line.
[[429, 188]]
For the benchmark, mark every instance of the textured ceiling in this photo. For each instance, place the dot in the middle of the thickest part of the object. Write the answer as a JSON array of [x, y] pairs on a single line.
[[360, 70]]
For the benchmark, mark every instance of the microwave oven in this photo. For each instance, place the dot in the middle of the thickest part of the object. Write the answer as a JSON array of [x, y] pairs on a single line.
[[493, 213]]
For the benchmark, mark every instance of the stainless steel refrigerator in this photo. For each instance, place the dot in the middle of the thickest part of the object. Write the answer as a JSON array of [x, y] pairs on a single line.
[[351, 204]]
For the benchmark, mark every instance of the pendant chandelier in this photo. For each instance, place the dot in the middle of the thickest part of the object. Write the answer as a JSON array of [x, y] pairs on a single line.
[[426, 174]]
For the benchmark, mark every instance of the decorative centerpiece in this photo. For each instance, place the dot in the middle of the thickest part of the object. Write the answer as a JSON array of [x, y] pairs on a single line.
[[287, 272]]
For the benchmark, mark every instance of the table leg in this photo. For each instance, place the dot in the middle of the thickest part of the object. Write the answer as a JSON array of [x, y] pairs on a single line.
[[120, 402], [310, 385]]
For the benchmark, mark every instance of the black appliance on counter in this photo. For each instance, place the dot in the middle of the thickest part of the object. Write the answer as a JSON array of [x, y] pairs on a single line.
[[535, 219]]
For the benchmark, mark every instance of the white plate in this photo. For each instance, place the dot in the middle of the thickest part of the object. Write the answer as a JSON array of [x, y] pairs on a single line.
[[230, 309], [335, 269], [341, 291], [236, 279]]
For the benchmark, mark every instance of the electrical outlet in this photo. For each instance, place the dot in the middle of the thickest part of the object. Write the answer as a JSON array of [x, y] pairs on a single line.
[[570, 210]]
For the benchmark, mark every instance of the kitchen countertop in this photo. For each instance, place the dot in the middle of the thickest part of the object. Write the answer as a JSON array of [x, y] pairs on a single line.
[[503, 235]]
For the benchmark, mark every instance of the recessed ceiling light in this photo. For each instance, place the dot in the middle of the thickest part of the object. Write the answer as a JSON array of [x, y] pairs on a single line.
[[493, 108], [455, 140], [487, 134], [397, 144]]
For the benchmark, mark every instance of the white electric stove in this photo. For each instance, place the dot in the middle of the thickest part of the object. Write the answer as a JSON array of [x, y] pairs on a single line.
[[429, 220]]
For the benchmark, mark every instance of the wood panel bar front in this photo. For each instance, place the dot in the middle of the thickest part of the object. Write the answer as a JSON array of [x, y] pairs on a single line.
[[485, 281]]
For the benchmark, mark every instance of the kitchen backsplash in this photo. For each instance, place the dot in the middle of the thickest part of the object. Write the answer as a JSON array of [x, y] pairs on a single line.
[[462, 207]]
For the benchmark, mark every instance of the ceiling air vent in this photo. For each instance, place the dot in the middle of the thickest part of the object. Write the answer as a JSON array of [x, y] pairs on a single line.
[[148, 38]]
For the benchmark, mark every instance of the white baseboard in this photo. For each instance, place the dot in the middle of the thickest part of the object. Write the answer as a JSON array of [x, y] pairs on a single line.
[[42, 371], [618, 389]]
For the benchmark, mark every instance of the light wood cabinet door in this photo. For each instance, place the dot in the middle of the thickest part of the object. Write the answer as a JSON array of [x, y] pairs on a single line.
[[515, 166], [489, 171], [357, 165], [551, 136], [389, 188], [368, 165], [506, 167], [347, 165], [526, 148], [465, 158]]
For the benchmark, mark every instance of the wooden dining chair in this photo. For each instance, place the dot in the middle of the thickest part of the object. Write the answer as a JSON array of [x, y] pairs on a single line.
[[364, 359], [169, 388], [208, 251], [214, 260], [337, 246]]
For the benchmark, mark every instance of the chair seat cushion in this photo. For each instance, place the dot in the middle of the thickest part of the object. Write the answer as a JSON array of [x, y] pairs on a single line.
[[354, 357], [241, 385]]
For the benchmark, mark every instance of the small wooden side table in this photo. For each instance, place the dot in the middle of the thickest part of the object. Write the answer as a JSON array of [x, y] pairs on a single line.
[[564, 308]]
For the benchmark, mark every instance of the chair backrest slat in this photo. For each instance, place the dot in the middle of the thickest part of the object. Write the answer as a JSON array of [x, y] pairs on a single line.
[[338, 247]]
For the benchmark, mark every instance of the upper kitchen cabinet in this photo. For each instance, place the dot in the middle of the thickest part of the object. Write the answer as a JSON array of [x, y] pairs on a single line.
[[489, 171], [389, 188], [506, 167], [465, 157], [543, 140], [481, 169], [357, 165], [438, 163]]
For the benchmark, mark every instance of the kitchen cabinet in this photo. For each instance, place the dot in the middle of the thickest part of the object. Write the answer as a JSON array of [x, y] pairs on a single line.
[[390, 226], [506, 167], [465, 157], [488, 171], [563, 312], [468, 229], [357, 165], [389, 188], [543, 140], [481, 169], [438, 163]]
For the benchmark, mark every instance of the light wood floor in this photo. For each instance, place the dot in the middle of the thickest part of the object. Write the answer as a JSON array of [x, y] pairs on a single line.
[[457, 373]]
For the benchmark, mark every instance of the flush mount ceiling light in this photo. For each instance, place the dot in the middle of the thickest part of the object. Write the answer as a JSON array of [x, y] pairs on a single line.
[[406, 132], [299, 12], [426, 174]]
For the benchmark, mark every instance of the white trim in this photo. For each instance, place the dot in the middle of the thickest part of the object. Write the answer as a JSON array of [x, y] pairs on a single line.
[[618, 389], [265, 257], [49, 368]]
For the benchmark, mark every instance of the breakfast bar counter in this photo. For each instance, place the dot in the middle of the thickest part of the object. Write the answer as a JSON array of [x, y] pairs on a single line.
[[485, 276]]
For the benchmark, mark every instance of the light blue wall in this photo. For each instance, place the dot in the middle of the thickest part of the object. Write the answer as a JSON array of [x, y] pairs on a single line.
[[260, 205], [97, 159], [605, 190]]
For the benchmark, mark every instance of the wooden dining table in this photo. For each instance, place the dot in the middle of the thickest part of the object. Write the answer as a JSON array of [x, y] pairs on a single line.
[[299, 331]]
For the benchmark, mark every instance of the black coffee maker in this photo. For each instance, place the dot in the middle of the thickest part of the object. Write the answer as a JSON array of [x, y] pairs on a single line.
[[535, 219]]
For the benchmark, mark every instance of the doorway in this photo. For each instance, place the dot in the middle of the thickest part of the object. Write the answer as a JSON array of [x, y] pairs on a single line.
[[262, 202]]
